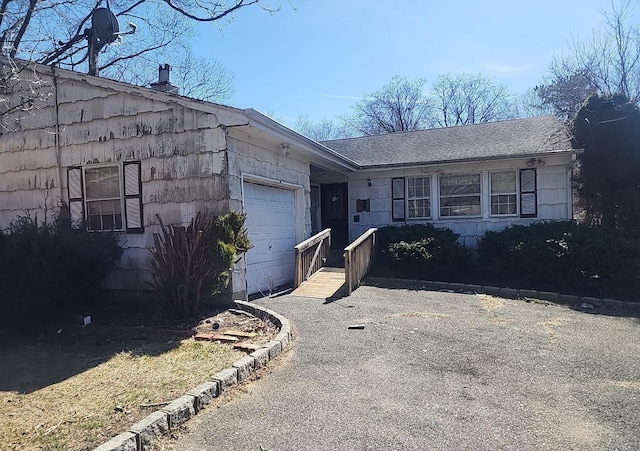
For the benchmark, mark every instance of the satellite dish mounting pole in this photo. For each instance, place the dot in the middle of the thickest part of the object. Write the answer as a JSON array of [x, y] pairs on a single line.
[[94, 48]]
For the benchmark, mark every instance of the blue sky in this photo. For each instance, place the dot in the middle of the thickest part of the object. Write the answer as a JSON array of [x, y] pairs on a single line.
[[318, 57]]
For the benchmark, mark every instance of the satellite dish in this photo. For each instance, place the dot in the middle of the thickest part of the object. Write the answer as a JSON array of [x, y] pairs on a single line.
[[105, 26]]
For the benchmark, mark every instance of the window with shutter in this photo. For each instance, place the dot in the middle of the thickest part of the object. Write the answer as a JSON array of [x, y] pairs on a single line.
[[106, 197]]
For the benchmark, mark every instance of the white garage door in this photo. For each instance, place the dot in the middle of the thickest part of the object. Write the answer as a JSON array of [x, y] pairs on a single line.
[[271, 226]]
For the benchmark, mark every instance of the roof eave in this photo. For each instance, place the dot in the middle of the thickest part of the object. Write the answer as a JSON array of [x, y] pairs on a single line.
[[469, 160]]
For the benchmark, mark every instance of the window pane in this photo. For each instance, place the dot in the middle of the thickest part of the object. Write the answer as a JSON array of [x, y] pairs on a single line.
[[103, 182], [460, 206], [455, 185], [460, 195], [419, 187], [104, 215], [503, 182], [419, 208], [503, 204]]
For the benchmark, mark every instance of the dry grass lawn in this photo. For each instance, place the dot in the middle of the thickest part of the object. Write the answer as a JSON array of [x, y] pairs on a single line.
[[77, 389]]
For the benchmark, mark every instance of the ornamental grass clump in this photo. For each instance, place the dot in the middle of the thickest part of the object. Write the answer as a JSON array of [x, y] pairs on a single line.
[[192, 263]]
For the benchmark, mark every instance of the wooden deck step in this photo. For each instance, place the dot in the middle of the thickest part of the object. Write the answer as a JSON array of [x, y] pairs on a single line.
[[324, 284]]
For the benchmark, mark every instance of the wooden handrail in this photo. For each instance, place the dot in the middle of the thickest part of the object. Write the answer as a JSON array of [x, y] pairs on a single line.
[[357, 259], [310, 256], [313, 240]]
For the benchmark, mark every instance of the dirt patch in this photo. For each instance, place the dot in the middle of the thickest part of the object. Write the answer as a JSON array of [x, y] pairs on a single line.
[[76, 387], [551, 325], [490, 303]]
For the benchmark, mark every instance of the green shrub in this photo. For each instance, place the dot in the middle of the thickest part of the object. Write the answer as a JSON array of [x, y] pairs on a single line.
[[564, 257], [420, 251], [49, 269], [191, 263]]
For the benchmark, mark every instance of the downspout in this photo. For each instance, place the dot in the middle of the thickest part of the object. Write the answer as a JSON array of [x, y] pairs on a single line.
[[56, 119]]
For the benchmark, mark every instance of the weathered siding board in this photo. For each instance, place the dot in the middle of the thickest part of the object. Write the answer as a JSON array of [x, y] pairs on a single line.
[[28, 179], [27, 140], [34, 119], [22, 200]]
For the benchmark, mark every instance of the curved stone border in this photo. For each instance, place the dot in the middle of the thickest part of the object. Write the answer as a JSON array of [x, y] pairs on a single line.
[[160, 422], [632, 308]]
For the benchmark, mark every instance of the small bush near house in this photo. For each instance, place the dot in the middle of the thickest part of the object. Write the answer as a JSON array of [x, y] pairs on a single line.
[[564, 257], [191, 263], [49, 269], [420, 251]]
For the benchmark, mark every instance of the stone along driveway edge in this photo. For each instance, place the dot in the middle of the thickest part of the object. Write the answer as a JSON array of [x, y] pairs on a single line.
[[160, 422]]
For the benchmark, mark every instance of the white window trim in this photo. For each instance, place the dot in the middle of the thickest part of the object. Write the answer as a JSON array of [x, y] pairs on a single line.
[[408, 199], [516, 193], [480, 195]]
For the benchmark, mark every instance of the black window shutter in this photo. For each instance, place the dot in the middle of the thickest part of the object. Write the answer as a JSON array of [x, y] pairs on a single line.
[[397, 199], [133, 197], [75, 192], [528, 193]]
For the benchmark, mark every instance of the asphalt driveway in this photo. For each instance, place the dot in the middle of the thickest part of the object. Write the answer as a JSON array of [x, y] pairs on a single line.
[[435, 370]]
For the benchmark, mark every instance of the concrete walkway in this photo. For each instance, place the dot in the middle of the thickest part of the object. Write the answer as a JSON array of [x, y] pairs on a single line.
[[437, 371]]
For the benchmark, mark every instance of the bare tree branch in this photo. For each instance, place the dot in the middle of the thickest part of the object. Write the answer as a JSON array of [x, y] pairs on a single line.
[[470, 99]]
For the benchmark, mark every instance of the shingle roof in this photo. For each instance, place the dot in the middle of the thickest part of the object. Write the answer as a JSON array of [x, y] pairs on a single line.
[[493, 140]]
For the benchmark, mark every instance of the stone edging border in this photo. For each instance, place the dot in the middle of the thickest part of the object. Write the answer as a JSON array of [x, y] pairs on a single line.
[[160, 422], [632, 308]]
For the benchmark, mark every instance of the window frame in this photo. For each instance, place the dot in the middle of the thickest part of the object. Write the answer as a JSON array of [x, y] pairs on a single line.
[[119, 198], [424, 178], [515, 194], [479, 195]]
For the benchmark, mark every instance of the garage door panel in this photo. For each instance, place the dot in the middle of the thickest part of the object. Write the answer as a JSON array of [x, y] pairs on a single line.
[[271, 227]]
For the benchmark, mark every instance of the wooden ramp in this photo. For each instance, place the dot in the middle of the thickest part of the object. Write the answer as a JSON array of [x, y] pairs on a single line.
[[326, 283]]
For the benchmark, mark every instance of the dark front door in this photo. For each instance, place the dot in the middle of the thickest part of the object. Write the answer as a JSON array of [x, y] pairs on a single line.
[[335, 213]]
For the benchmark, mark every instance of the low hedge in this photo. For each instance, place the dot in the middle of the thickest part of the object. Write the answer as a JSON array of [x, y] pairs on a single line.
[[562, 256], [419, 251], [49, 269]]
